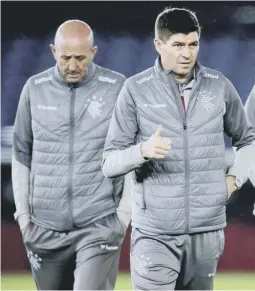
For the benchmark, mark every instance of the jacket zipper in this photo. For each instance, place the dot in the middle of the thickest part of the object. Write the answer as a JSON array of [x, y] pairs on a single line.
[[71, 144], [186, 146], [186, 163]]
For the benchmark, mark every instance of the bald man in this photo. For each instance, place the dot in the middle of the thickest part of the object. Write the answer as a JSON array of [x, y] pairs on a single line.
[[73, 220]]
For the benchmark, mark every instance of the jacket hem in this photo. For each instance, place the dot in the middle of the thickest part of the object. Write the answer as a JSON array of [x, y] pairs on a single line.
[[55, 227], [155, 230]]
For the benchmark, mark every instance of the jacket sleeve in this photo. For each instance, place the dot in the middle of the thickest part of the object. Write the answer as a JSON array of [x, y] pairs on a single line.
[[124, 208], [250, 106], [239, 128], [250, 112], [121, 155], [21, 158]]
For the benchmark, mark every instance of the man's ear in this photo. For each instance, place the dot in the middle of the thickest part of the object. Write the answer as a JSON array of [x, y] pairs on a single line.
[[94, 51], [158, 45], [53, 50]]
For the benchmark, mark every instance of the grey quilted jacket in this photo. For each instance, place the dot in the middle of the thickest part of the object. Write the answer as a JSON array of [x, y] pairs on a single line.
[[59, 135], [186, 192]]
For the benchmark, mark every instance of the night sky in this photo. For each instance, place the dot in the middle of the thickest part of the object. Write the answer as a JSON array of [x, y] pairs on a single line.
[[36, 18]]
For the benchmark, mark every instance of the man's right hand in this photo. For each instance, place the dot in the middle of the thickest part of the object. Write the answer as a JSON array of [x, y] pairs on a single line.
[[156, 147]]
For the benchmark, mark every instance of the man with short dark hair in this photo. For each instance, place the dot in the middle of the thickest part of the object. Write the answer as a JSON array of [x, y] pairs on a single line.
[[73, 220], [168, 130]]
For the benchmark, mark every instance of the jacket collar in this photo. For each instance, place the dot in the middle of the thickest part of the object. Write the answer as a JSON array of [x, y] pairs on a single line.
[[164, 74], [61, 80]]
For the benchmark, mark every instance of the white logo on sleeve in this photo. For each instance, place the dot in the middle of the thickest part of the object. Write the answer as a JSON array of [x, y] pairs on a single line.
[[94, 106]]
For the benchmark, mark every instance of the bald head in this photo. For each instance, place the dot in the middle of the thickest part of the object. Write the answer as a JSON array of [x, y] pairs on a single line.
[[74, 49], [74, 29]]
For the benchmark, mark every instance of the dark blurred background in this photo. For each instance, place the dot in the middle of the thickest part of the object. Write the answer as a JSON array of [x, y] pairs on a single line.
[[124, 32]]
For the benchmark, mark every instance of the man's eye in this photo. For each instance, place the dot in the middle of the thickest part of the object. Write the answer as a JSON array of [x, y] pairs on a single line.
[[81, 58]]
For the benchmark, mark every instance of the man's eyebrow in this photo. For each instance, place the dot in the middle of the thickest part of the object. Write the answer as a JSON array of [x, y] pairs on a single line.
[[72, 55], [183, 43], [178, 42]]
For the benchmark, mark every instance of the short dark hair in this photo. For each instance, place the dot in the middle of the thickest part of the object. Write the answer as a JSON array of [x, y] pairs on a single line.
[[176, 20]]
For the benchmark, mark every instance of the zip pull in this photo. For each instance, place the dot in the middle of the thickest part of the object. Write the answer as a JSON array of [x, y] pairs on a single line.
[[183, 101], [72, 86], [184, 125]]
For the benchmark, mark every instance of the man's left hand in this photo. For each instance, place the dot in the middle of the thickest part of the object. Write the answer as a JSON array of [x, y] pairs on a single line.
[[231, 185]]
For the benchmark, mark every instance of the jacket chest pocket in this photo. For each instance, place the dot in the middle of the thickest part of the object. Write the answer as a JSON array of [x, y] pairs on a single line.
[[50, 114], [50, 120], [149, 118], [95, 112], [208, 107]]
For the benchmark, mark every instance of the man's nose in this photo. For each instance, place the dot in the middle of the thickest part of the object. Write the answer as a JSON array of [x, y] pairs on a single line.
[[186, 52], [72, 65]]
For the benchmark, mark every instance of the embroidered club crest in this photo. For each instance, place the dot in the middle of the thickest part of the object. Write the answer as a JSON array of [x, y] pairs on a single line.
[[206, 100], [35, 260], [94, 106], [141, 264]]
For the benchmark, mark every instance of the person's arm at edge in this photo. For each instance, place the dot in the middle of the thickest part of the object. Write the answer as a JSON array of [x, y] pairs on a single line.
[[21, 158], [238, 127]]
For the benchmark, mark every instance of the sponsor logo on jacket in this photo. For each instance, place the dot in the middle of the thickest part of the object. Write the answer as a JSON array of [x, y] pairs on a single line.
[[43, 79], [109, 247], [44, 107], [155, 105], [208, 75], [145, 79], [106, 79]]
